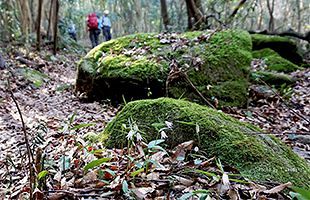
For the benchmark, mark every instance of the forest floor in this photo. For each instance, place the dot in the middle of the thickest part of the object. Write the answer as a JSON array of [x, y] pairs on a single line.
[[56, 120]]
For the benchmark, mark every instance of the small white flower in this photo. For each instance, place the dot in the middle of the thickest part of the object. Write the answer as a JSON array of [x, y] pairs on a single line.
[[139, 137], [197, 128], [169, 124], [196, 149], [163, 135], [130, 134], [135, 127]]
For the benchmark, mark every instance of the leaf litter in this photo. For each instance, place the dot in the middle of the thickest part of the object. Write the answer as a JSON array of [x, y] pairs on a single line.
[[73, 165]]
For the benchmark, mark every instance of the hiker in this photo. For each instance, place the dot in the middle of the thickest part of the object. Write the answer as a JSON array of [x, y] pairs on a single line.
[[106, 26], [2, 62], [93, 28], [72, 31]]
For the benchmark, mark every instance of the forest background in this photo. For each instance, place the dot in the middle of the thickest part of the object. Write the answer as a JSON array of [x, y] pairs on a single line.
[[19, 18]]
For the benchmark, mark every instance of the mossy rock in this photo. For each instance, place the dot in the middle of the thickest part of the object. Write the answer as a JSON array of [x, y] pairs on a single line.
[[238, 144], [272, 78], [137, 66], [284, 46], [274, 61]]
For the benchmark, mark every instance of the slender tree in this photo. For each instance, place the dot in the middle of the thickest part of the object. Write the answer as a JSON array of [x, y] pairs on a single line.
[[194, 14], [55, 26], [270, 6], [39, 25], [164, 13]]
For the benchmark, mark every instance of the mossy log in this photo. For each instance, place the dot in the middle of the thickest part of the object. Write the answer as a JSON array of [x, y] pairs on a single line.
[[272, 78], [284, 46], [137, 66], [274, 61], [257, 156]]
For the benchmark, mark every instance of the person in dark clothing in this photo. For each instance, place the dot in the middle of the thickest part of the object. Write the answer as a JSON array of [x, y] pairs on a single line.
[[72, 31], [106, 26], [2, 62], [93, 28]]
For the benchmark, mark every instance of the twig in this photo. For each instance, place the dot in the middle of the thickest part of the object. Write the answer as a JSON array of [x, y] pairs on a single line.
[[75, 193], [176, 73], [197, 91], [31, 177]]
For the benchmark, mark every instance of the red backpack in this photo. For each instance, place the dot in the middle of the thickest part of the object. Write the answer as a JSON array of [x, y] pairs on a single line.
[[92, 21]]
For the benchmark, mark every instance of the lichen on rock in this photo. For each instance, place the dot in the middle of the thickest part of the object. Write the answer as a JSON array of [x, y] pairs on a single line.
[[257, 156], [137, 66]]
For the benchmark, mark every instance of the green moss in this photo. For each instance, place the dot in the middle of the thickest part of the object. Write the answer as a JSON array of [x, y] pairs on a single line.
[[120, 66], [224, 91], [274, 61], [145, 59], [258, 157], [272, 78]]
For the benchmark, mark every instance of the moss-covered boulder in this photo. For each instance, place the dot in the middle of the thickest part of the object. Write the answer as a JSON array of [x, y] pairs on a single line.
[[274, 61], [137, 66], [284, 46], [257, 156]]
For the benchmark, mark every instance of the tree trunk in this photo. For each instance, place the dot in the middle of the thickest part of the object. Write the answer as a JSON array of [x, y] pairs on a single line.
[[261, 12], [39, 25], [50, 19], [138, 17], [164, 13], [25, 18], [55, 26], [270, 6], [298, 16], [194, 14]]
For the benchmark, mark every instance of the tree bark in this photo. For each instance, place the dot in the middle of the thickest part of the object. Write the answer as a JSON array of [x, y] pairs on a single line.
[[164, 13], [39, 25]]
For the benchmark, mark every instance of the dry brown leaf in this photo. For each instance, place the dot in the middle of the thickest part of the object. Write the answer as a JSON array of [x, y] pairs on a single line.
[[183, 181], [233, 194], [181, 149], [141, 193], [278, 188]]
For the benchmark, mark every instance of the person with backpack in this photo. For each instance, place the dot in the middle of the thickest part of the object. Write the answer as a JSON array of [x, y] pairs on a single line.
[[106, 26], [72, 31], [93, 28]]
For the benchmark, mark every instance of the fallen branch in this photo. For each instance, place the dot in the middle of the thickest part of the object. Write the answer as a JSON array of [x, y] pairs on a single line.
[[28, 62], [31, 176], [235, 11], [61, 194], [291, 33]]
